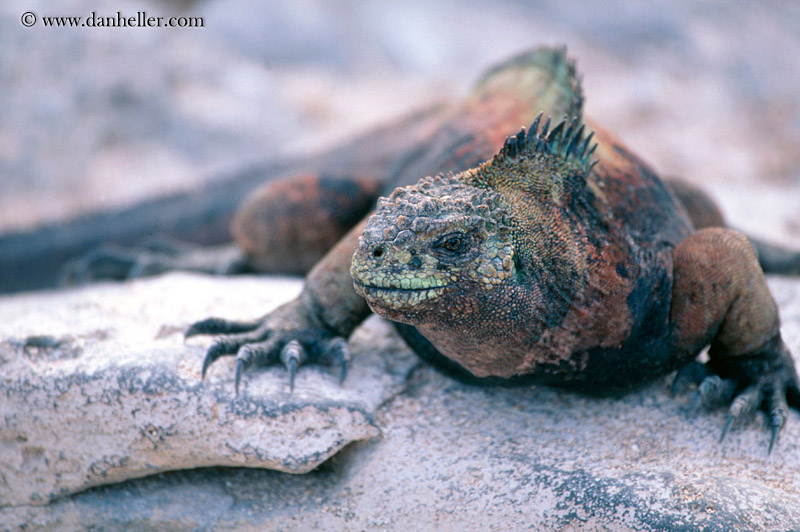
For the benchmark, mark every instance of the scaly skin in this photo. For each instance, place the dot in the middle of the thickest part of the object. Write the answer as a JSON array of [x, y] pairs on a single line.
[[551, 261]]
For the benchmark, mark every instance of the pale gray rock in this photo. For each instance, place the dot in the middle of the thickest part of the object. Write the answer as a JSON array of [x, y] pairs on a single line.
[[97, 386], [450, 457]]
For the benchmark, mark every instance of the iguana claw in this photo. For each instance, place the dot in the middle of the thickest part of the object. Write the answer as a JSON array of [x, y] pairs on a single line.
[[269, 341]]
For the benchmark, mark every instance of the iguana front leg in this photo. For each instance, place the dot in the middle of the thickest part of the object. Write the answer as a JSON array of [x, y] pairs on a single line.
[[312, 328], [720, 297]]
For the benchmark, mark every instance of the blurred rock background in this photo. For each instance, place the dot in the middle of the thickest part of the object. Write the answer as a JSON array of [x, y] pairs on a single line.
[[97, 118]]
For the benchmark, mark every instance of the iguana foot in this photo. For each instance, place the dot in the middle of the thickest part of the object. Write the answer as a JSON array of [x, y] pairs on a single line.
[[113, 262], [767, 381], [286, 335]]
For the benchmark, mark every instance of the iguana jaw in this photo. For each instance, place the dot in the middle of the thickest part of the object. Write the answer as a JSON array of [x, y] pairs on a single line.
[[388, 300]]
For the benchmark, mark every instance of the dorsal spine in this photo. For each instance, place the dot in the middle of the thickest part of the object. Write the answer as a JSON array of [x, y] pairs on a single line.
[[565, 139]]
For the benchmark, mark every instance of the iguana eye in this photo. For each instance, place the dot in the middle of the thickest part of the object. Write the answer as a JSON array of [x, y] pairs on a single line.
[[451, 243]]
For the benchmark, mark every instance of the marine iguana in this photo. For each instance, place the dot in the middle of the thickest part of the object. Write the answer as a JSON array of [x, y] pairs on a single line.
[[555, 255]]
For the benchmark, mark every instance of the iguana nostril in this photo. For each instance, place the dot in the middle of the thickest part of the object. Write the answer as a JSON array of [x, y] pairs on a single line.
[[416, 263], [378, 252]]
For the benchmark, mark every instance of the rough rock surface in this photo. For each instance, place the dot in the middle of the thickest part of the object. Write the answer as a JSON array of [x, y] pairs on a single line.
[[450, 456], [96, 386]]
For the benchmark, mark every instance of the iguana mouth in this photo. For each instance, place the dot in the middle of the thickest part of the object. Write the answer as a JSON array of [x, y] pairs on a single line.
[[391, 288], [395, 297]]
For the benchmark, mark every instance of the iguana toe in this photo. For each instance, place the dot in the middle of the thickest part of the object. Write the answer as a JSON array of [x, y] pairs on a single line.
[[293, 355], [743, 405], [692, 373], [712, 391], [219, 326]]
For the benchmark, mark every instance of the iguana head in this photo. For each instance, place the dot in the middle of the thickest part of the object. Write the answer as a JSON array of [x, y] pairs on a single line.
[[437, 237], [483, 243]]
